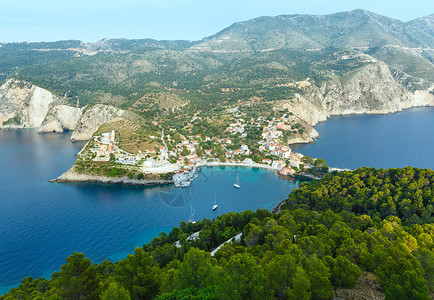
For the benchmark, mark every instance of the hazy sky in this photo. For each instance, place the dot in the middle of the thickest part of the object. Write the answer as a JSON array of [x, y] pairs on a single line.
[[91, 20]]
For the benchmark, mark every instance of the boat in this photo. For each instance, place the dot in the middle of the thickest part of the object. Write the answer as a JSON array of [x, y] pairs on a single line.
[[237, 184], [214, 207], [191, 219], [185, 183]]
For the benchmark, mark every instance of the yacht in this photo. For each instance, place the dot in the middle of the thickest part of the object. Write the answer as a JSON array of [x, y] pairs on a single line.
[[185, 183], [191, 219], [237, 184], [214, 207]]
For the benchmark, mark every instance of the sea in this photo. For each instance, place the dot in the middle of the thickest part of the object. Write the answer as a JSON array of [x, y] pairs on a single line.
[[382, 141], [41, 223]]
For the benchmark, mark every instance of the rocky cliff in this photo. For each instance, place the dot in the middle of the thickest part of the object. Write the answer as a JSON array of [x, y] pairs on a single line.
[[92, 118], [73, 176], [23, 105], [60, 118], [371, 89]]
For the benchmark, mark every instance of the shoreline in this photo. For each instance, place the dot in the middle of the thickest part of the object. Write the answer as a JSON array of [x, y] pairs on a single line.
[[276, 209], [71, 176], [240, 164]]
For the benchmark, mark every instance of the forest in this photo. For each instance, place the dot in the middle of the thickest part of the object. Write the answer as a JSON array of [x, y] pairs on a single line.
[[328, 234]]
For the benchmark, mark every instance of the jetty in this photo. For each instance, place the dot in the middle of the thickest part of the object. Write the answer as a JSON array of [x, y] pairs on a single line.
[[185, 178]]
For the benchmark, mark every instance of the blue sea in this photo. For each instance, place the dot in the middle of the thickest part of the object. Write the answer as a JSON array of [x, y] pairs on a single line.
[[42, 223], [382, 141]]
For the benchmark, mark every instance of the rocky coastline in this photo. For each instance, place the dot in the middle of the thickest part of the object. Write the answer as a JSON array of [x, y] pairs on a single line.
[[71, 176]]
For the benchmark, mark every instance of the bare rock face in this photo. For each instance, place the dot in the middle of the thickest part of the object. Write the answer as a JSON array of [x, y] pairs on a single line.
[[92, 118], [23, 105], [60, 118], [371, 89]]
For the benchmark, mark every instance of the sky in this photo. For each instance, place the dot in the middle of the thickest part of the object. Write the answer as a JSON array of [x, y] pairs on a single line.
[[92, 20]]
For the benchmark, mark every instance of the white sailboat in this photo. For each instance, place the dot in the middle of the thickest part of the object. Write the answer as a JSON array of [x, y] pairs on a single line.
[[191, 219], [237, 185], [214, 207]]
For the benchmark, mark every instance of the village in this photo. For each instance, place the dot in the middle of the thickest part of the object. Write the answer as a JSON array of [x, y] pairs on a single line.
[[182, 154]]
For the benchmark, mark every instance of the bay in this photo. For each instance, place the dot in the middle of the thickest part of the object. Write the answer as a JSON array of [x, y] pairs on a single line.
[[42, 223], [382, 141]]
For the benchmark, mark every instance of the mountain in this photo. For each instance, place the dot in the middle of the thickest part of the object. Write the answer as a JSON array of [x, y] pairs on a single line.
[[425, 27], [22, 54], [356, 28], [315, 66]]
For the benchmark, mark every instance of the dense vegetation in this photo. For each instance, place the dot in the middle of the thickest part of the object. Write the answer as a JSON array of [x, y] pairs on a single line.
[[407, 193], [328, 234]]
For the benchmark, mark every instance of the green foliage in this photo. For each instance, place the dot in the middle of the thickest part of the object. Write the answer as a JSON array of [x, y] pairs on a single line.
[[195, 270], [12, 121], [243, 279], [139, 274], [307, 159], [115, 292], [319, 163], [406, 193], [185, 152], [344, 272], [190, 293], [77, 279]]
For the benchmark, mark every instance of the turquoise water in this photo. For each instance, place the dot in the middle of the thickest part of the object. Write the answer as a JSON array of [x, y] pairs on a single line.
[[382, 141], [42, 223]]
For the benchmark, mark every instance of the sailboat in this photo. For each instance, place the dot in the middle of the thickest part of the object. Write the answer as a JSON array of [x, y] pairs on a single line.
[[237, 185], [214, 207], [191, 219]]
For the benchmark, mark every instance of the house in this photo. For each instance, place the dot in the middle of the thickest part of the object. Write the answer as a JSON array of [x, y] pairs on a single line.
[[191, 156], [285, 154], [195, 159], [248, 161], [244, 147], [278, 164], [267, 161], [238, 152], [295, 164], [270, 146], [276, 152], [112, 136], [287, 171], [191, 149]]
